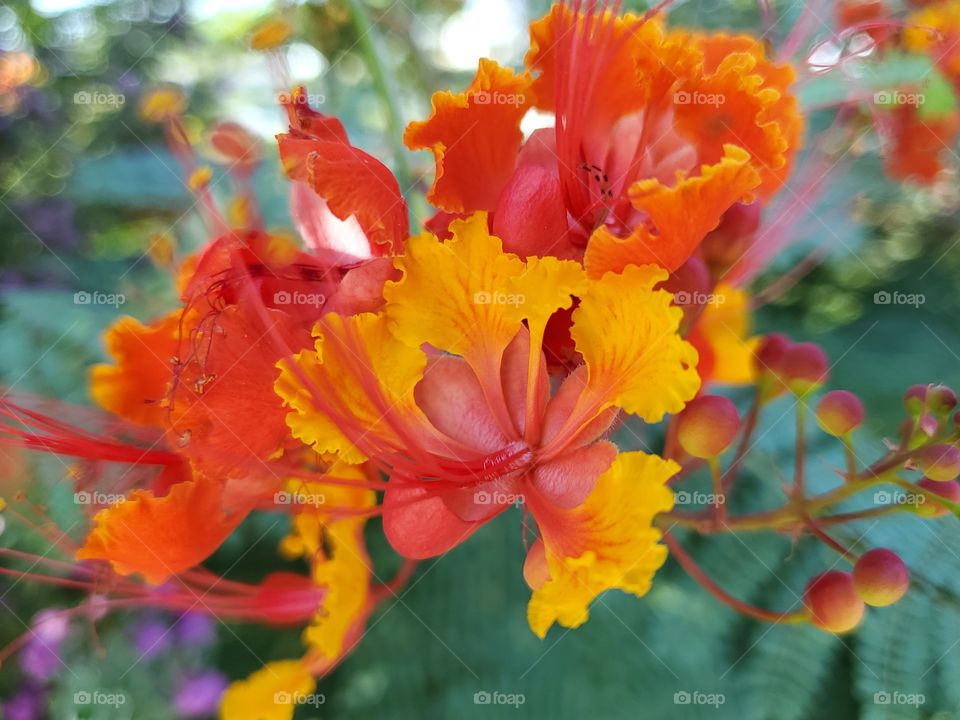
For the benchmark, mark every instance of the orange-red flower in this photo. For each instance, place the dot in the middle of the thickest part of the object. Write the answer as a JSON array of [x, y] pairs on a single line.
[[657, 133]]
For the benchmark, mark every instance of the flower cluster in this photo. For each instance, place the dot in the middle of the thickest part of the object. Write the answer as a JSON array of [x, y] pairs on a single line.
[[578, 281]]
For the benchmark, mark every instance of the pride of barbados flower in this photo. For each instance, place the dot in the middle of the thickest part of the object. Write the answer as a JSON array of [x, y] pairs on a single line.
[[657, 134], [446, 390]]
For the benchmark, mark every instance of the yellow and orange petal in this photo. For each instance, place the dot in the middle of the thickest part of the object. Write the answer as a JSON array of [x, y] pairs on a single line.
[[608, 542], [159, 537], [627, 334], [134, 386], [722, 333], [355, 357], [474, 137], [269, 693], [455, 295], [935, 30], [682, 215], [328, 531]]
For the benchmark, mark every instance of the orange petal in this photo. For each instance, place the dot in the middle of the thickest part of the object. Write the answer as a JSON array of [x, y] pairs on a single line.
[[739, 97], [681, 215], [474, 137], [158, 537], [135, 385]]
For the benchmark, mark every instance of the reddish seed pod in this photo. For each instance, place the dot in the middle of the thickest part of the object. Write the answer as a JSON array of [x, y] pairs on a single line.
[[839, 413], [833, 602], [805, 367], [707, 426], [940, 462], [881, 577], [948, 490]]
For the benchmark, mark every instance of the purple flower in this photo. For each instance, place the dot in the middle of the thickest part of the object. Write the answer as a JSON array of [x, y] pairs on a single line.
[[199, 696], [152, 637], [40, 657], [195, 629], [28, 704]]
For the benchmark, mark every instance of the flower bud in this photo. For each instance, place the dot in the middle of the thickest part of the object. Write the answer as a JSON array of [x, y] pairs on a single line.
[[804, 367], [767, 360], [707, 426], [915, 399], [948, 490], [940, 462], [833, 602], [839, 413], [941, 399], [881, 577]]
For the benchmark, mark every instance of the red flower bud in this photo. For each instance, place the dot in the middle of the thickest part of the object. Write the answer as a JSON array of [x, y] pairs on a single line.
[[915, 399], [941, 399], [940, 462], [881, 577], [804, 367], [948, 490], [839, 413], [770, 352], [707, 426], [833, 602]]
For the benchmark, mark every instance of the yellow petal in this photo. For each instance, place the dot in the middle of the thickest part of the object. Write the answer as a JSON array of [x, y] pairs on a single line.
[[269, 693], [454, 295], [725, 326], [545, 287], [355, 356], [608, 542], [627, 334]]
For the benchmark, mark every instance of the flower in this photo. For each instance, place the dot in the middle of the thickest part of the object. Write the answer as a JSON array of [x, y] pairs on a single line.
[[632, 172], [446, 390]]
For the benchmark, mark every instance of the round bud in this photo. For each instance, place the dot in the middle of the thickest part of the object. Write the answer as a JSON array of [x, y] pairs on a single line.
[[940, 462], [881, 577], [948, 490], [915, 399], [833, 602], [839, 413], [770, 352], [804, 367], [707, 426], [941, 399]]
